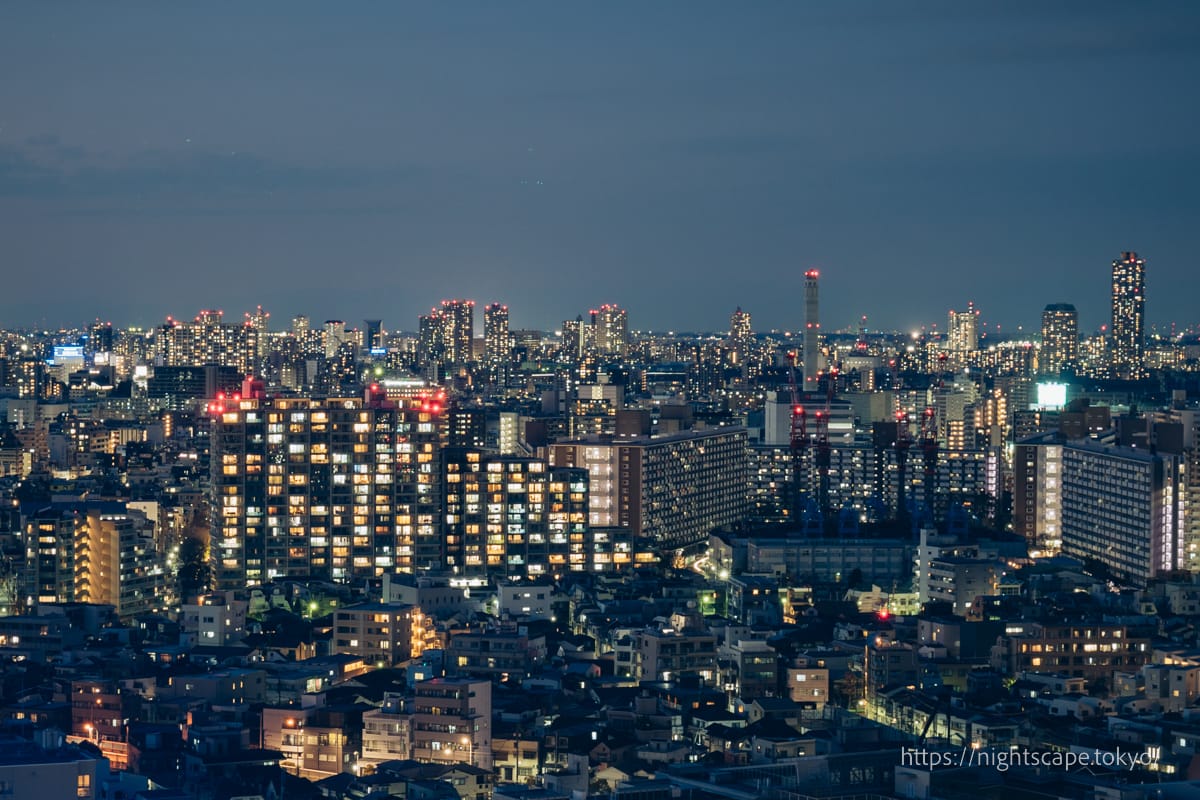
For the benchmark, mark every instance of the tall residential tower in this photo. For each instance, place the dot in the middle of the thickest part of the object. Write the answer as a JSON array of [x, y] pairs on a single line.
[[1060, 339], [1127, 334]]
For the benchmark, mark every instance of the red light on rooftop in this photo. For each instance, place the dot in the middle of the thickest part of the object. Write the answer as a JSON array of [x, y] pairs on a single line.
[[812, 273], [798, 410], [884, 613]]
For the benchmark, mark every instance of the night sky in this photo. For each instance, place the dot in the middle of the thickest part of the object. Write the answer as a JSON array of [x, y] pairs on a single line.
[[676, 158]]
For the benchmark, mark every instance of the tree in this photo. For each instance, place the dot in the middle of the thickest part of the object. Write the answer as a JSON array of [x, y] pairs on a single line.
[[855, 579], [194, 574]]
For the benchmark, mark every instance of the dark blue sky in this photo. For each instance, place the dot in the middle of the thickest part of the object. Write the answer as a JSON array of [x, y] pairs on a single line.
[[675, 158]]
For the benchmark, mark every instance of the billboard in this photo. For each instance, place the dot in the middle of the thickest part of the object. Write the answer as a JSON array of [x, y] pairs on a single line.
[[67, 352], [1051, 396]]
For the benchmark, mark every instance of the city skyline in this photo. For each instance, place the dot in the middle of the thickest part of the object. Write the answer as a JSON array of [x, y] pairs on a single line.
[[919, 158], [551, 401], [982, 326]]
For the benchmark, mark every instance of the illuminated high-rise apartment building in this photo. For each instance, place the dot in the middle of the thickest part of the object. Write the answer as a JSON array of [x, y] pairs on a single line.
[[963, 330], [333, 336], [672, 489], [207, 340], [1060, 339], [740, 336], [307, 338], [117, 563], [97, 552], [1127, 333], [1138, 537], [496, 337], [573, 339], [431, 337], [514, 517], [337, 488], [458, 330], [610, 324], [259, 322]]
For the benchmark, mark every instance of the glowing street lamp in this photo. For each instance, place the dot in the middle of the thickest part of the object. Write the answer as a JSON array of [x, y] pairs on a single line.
[[470, 745]]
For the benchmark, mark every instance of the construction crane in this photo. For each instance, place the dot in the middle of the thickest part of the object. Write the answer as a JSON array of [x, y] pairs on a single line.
[[824, 450], [903, 443], [798, 441]]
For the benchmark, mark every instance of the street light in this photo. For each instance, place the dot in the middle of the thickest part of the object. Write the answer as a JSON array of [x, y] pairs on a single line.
[[466, 740]]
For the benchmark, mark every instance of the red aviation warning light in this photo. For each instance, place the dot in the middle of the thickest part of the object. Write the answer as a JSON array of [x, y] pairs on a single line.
[[884, 613]]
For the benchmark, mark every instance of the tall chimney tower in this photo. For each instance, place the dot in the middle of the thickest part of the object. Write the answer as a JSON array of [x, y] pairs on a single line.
[[812, 330]]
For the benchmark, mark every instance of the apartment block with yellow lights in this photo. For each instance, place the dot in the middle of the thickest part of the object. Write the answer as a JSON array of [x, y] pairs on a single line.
[[335, 488], [514, 517]]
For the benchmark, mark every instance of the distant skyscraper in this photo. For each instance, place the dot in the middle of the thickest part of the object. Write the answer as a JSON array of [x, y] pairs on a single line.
[[611, 326], [100, 338], [812, 330], [739, 325], [1060, 339], [740, 336], [372, 333], [1126, 336], [300, 326], [207, 340], [335, 335], [497, 341], [258, 330], [431, 337], [458, 330], [963, 330], [572, 340]]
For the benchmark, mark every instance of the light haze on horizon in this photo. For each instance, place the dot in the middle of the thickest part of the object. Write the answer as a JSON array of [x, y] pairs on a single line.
[[678, 159]]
